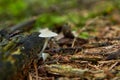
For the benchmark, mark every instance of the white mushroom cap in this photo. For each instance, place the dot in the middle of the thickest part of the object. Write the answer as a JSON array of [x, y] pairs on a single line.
[[47, 33]]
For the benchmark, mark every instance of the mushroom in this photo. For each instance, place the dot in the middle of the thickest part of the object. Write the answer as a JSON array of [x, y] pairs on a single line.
[[47, 34], [45, 56]]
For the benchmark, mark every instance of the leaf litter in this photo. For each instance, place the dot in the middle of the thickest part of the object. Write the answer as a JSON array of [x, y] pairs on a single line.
[[97, 57]]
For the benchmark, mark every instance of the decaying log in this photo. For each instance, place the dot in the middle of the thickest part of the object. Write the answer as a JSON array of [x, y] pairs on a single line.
[[17, 55]]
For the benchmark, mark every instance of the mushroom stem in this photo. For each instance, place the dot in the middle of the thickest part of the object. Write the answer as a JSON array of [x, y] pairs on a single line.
[[45, 45]]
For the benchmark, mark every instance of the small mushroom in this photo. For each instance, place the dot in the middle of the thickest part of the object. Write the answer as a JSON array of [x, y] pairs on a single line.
[[47, 34], [45, 56]]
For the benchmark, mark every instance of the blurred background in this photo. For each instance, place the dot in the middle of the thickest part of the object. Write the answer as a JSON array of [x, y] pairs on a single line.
[[56, 12]]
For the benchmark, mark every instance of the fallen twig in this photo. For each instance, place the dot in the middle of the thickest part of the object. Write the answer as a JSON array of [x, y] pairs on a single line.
[[23, 25]]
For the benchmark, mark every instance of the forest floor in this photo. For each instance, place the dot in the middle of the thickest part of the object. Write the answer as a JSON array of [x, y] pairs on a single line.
[[86, 48], [96, 58]]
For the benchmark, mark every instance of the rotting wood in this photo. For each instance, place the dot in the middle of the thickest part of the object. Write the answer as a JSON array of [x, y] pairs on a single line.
[[16, 57]]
